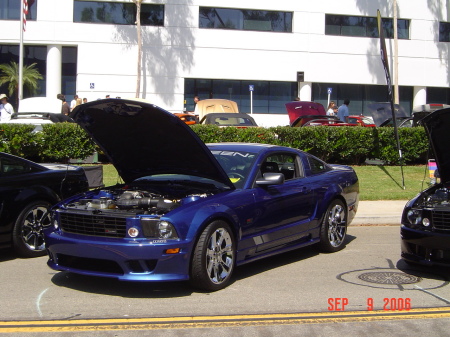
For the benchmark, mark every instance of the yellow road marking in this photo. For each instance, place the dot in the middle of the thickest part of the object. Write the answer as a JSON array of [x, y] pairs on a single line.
[[190, 322]]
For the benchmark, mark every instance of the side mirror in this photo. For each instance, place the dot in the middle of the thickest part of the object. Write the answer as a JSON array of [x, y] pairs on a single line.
[[271, 179]]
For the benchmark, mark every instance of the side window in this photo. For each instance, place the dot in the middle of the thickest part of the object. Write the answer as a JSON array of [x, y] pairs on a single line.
[[316, 165], [285, 163], [11, 167]]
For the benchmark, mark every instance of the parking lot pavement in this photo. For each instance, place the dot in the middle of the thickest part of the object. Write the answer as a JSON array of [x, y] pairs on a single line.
[[380, 212]]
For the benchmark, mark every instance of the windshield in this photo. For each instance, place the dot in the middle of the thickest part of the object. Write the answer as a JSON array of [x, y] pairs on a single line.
[[236, 164], [367, 120], [230, 121]]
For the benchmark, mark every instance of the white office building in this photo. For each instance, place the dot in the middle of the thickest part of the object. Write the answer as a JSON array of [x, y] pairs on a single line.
[[314, 50]]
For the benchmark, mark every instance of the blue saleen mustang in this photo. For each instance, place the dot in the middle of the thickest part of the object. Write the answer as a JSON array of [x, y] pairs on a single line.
[[190, 211]]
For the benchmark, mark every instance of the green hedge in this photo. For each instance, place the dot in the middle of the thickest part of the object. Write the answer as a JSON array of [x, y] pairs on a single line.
[[347, 145], [57, 142]]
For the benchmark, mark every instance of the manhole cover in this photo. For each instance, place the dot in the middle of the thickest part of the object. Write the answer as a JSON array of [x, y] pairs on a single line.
[[389, 277]]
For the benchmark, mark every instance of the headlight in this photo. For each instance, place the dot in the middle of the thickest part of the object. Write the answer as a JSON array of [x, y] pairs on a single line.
[[55, 224], [156, 229], [414, 216], [166, 230]]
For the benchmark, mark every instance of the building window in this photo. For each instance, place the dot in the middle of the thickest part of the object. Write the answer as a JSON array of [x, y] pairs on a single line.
[[245, 19], [444, 31], [269, 97], [360, 96], [438, 95], [117, 13], [364, 26], [10, 10], [38, 54]]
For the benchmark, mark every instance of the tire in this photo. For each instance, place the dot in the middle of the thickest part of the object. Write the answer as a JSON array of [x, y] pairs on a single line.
[[213, 258], [28, 234], [333, 229]]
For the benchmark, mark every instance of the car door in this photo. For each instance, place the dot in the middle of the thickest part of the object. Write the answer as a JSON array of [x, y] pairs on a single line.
[[282, 212], [11, 185]]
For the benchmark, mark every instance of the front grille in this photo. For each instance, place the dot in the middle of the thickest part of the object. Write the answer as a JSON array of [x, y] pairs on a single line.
[[441, 220], [95, 225], [89, 264]]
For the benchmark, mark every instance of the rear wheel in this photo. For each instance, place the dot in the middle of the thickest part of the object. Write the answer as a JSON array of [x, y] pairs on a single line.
[[28, 232], [334, 227], [213, 257]]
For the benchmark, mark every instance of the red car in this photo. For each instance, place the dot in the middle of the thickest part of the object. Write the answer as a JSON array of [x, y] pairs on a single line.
[[361, 120], [187, 118], [301, 112], [324, 120]]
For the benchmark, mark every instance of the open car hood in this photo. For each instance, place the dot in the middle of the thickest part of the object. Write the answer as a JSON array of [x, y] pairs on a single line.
[[298, 109], [382, 113], [141, 139], [437, 126]]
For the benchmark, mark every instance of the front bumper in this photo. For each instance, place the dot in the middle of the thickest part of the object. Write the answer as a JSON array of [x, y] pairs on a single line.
[[427, 248], [123, 259]]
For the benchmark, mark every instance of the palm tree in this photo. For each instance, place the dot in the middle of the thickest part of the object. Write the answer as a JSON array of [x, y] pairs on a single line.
[[10, 75]]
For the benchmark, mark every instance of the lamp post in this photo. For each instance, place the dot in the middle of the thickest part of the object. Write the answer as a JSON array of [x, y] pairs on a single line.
[[396, 93]]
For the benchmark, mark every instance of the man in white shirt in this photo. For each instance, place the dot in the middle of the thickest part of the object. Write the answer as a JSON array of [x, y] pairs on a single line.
[[6, 109], [73, 103]]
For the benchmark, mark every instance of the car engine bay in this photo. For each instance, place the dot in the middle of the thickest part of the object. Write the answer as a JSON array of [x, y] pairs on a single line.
[[138, 200]]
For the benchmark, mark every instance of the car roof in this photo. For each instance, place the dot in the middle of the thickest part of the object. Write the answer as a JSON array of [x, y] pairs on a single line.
[[39, 105], [246, 147]]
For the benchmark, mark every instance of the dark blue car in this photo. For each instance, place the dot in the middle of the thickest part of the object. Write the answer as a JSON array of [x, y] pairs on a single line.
[[190, 211]]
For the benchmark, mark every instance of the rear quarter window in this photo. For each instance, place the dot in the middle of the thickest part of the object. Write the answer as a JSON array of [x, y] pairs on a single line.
[[317, 166]]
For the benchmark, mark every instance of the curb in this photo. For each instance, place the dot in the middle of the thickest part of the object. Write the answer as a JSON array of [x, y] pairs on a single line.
[[380, 212]]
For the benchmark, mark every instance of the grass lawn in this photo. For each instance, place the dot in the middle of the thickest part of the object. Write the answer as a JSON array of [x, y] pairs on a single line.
[[375, 182], [385, 182]]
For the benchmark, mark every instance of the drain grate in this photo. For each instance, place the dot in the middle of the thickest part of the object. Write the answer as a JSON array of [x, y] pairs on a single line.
[[389, 277]]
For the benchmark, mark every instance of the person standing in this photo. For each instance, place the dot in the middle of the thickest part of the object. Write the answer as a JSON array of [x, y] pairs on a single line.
[[6, 109], [196, 100], [73, 103], [65, 109], [330, 110], [343, 111]]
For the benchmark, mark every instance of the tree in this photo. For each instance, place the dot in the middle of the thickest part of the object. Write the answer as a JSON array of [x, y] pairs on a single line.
[[139, 42], [10, 75]]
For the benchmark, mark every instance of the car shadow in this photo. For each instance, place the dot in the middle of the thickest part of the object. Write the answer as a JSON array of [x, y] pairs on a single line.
[[128, 289], [7, 254], [114, 287], [280, 260], [425, 272]]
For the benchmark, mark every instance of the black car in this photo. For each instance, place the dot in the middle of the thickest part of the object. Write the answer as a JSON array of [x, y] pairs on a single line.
[[382, 115], [27, 191], [425, 231]]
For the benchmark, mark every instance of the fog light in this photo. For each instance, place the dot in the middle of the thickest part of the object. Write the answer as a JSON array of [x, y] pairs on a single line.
[[55, 224], [133, 232], [426, 222]]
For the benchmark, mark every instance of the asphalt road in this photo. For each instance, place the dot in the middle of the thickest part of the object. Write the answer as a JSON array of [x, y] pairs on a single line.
[[302, 292]]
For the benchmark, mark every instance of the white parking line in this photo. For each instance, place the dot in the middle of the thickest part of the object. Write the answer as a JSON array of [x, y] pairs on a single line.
[[430, 293], [38, 302]]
